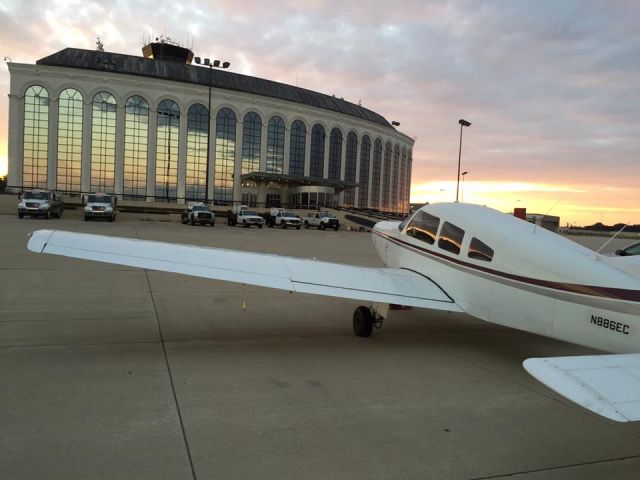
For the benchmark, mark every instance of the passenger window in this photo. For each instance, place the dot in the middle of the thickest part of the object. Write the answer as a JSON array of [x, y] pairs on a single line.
[[424, 227], [450, 238], [480, 251]]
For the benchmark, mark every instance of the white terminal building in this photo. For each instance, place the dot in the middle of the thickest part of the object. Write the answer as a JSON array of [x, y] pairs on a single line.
[[139, 127]]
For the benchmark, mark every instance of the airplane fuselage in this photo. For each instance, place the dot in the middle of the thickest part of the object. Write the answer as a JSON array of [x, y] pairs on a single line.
[[510, 272]]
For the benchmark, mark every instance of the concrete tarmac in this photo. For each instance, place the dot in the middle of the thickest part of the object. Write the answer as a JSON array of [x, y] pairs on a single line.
[[112, 372]]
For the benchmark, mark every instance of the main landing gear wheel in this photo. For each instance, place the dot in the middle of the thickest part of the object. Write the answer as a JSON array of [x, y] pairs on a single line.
[[363, 322]]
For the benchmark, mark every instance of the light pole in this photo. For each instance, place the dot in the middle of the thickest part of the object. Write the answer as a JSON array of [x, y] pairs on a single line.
[[462, 189], [463, 123], [210, 63]]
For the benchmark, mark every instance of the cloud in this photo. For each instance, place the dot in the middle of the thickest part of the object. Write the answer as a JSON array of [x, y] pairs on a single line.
[[550, 87]]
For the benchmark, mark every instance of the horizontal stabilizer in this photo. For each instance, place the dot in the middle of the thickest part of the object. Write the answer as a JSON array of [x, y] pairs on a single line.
[[608, 385], [383, 285]]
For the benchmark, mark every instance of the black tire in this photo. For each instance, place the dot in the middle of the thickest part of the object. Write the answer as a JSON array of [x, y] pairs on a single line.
[[298, 227], [60, 212], [47, 215], [244, 224], [86, 219], [362, 322], [193, 222], [213, 223], [260, 226], [112, 218], [336, 228], [306, 225], [20, 215], [322, 226], [283, 225]]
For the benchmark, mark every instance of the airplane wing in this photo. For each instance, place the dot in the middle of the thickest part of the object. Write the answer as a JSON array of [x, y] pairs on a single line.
[[608, 385], [383, 285]]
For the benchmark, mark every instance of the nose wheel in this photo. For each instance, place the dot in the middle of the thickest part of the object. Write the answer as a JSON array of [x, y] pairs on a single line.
[[365, 318]]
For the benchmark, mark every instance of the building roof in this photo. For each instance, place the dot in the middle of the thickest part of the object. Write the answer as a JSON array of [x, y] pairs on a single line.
[[182, 72]]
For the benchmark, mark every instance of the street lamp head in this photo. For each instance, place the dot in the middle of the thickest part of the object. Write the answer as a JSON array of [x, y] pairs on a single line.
[[464, 173], [464, 123]]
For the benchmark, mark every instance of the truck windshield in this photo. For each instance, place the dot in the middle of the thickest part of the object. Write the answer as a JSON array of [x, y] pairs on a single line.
[[99, 199], [325, 215], [288, 214], [200, 208], [249, 212], [36, 195]]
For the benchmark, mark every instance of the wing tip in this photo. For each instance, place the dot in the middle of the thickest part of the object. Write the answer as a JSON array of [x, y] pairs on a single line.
[[38, 240]]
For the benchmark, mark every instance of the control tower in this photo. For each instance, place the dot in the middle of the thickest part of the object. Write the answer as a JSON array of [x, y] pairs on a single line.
[[163, 48]]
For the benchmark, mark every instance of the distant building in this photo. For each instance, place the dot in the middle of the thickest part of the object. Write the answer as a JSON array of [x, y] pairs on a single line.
[[82, 120]]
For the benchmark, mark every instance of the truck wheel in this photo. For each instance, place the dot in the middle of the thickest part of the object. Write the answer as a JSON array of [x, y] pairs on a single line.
[[86, 219], [298, 227], [336, 228], [20, 215], [283, 224], [260, 226], [112, 218], [60, 212], [213, 223], [193, 222], [322, 226], [47, 215], [362, 322], [244, 224], [306, 225]]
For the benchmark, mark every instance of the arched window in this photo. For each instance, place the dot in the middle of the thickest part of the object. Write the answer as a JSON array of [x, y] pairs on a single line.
[[197, 134], [363, 184], [350, 166], [69, 166], [297, 148], [36, 137], [386, 176], [401, 185], [394, 201], [335, 154], [167, 151], [251, 139], [275, 145], [375, 174], [136, 142], [317, 151], [225, 156], [103, 143]]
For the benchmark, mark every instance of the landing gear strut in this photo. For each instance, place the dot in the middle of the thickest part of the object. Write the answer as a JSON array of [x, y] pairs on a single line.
[[365, 318]]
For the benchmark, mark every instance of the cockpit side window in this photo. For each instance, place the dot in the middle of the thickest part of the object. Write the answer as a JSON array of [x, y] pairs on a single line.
[[479, 250], [450, 238], [424, 227]]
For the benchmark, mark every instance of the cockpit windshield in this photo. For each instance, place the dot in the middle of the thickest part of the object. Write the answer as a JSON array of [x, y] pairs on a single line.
[[423, 226]]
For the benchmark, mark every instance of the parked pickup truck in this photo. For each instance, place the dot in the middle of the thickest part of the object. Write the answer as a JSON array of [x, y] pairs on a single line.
[[198, 212], [241, 215], [321, 220], [40, 203], [279, 216], [99, 205]]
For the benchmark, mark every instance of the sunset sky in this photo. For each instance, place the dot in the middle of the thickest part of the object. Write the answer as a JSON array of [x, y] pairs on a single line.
[[552, 88]]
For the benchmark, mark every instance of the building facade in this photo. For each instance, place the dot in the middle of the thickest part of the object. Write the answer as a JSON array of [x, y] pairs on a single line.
[[83, 121]]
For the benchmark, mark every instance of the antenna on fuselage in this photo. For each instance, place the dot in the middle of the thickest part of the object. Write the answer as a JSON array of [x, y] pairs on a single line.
[[612, 237]]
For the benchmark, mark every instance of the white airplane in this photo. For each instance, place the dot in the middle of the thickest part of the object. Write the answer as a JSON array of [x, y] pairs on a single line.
[[452, 257]]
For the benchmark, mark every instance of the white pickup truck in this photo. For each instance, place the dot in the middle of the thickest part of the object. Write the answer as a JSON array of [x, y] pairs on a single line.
[[279, 216], [321, 220], [241, 215], [99, 205], [40, 203]]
